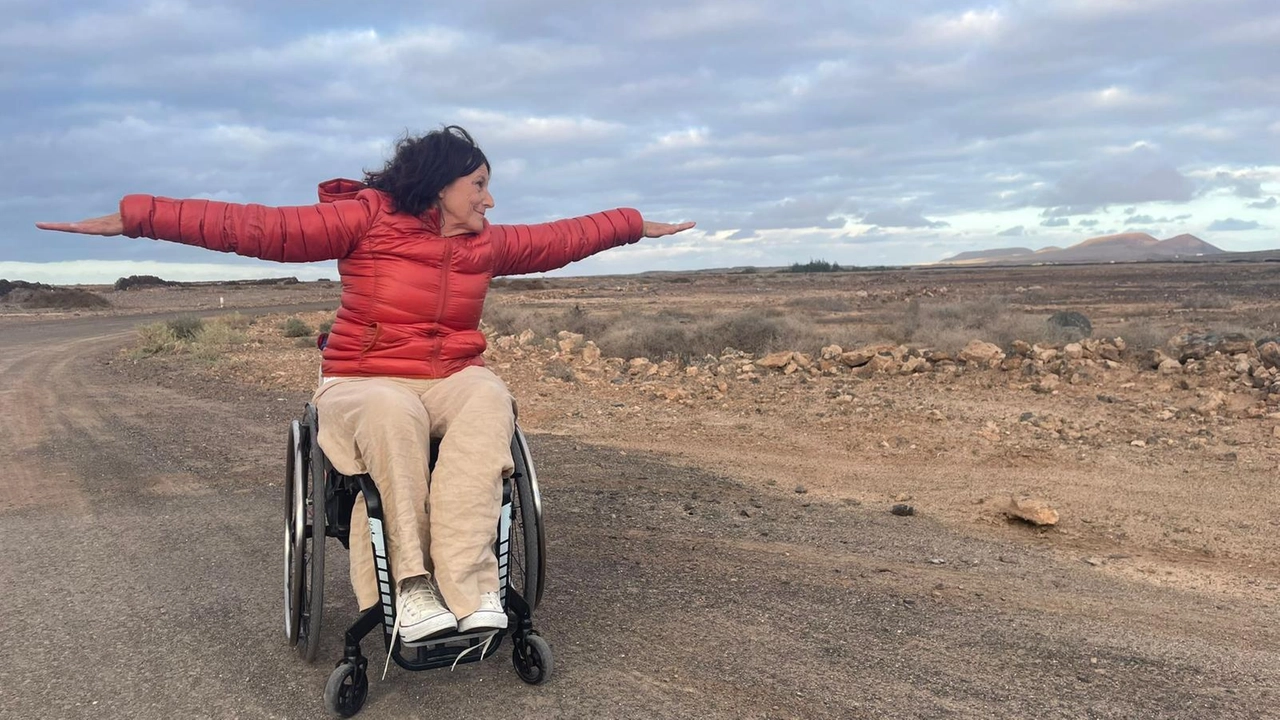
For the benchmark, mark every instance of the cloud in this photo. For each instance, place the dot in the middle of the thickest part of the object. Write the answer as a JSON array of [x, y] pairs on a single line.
[[901, 217], [1135, 176], [788, 121], [1233, 225], [1140, 219], [1242, 183], [1267, 204], [1090, 222], [1015, 231]]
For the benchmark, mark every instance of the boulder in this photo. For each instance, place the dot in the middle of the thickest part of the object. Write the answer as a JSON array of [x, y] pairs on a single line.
[[1269, 354], [775, 361], [978, 352], [1031, 510], [1071, 325], [569, 341]]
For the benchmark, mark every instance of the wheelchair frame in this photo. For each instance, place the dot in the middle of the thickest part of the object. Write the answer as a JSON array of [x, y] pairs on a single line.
[[318, 497]]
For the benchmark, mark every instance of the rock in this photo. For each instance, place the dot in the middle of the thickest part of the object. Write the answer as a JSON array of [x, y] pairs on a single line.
[[804, 362], [1108, 352], [1036, 512], [1151, 359], [914, 365], [640, 366], [1011, 364], [882, 364], [801, 490], [525, 337], [775, 361], [1198, 346], [1047, 384], [1043, 354], [1269, 354], [982, 353], [1021, 348], [590, 353], [1170, 367], [569, 341], [1073, 351], [1275, 432], [1071, 325], [1211, 403], [863, 355], [831, 352], [902, 510]]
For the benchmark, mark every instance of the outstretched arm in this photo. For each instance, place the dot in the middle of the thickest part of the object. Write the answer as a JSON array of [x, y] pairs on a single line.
[[539, 248], [307, 233]]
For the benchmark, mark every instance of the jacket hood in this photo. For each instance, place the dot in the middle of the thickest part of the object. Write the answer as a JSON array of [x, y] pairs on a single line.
[[340, 189], [343, 189]]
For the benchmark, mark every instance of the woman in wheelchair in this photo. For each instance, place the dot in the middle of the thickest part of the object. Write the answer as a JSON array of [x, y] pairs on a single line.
[[403, 362]]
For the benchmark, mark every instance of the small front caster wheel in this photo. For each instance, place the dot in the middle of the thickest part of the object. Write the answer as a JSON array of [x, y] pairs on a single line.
[[347, 689], [531, 656]]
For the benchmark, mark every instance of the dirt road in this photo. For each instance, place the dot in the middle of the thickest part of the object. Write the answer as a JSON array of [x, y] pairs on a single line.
[[141, 578]]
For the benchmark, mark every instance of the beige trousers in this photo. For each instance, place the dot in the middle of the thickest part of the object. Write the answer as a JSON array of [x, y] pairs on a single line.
[[443, 522]]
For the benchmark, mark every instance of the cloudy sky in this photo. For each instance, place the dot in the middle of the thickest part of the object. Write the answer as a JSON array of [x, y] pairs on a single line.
[[859, 132]]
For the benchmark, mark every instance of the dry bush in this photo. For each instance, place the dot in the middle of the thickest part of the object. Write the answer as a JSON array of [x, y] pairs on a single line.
[[518, 284], [668, 336], [821, 303], [294, 327], [185, 327], [1206, 301], [216, 337], [205, 340], [155, 339], [951, 324], [1140, 335]]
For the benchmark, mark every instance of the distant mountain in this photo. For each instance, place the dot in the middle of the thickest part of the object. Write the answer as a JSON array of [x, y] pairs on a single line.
[[990, 254], [1124, 247]]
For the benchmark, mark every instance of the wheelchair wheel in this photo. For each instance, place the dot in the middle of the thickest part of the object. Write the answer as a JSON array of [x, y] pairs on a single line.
[[528, 547], [347, 689], [531, 656], [295, 464], [311, 605]]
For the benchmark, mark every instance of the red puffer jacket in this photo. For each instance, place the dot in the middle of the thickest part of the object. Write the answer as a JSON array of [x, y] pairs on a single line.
[[411, 299]]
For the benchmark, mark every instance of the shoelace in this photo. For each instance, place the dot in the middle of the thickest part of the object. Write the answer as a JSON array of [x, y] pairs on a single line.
[[395, 638], [488, 639]]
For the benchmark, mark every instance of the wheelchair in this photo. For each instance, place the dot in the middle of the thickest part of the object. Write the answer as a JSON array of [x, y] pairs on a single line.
[[318, 505]]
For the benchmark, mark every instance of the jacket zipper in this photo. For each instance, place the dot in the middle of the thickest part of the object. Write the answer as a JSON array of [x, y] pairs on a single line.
[[444, 293]]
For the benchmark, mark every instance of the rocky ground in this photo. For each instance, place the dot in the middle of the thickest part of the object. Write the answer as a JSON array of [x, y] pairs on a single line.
[[806, 531], [1161, 464]]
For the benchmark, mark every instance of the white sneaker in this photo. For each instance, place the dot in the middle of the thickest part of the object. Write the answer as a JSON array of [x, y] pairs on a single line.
[[489, 616], [420, 612]]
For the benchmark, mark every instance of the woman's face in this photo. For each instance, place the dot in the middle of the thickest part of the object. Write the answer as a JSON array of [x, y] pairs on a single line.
[[463, 203]]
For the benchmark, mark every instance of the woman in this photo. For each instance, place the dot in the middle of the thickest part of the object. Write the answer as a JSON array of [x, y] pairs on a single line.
[[404, 358]]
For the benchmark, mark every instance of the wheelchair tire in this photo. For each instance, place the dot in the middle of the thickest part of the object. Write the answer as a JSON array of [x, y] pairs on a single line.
[[531, 656], [347, 689], [294, 532], [311, 607], [528, 549]]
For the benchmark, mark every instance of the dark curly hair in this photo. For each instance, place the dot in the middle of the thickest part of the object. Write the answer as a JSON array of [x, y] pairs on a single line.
[[424, 165]]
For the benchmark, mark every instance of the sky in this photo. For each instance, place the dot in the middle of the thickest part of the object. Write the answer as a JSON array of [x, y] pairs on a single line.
[[857, 132]]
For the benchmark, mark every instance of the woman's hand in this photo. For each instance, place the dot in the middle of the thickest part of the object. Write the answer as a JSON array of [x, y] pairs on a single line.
[[657, 229], [106, 225]]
